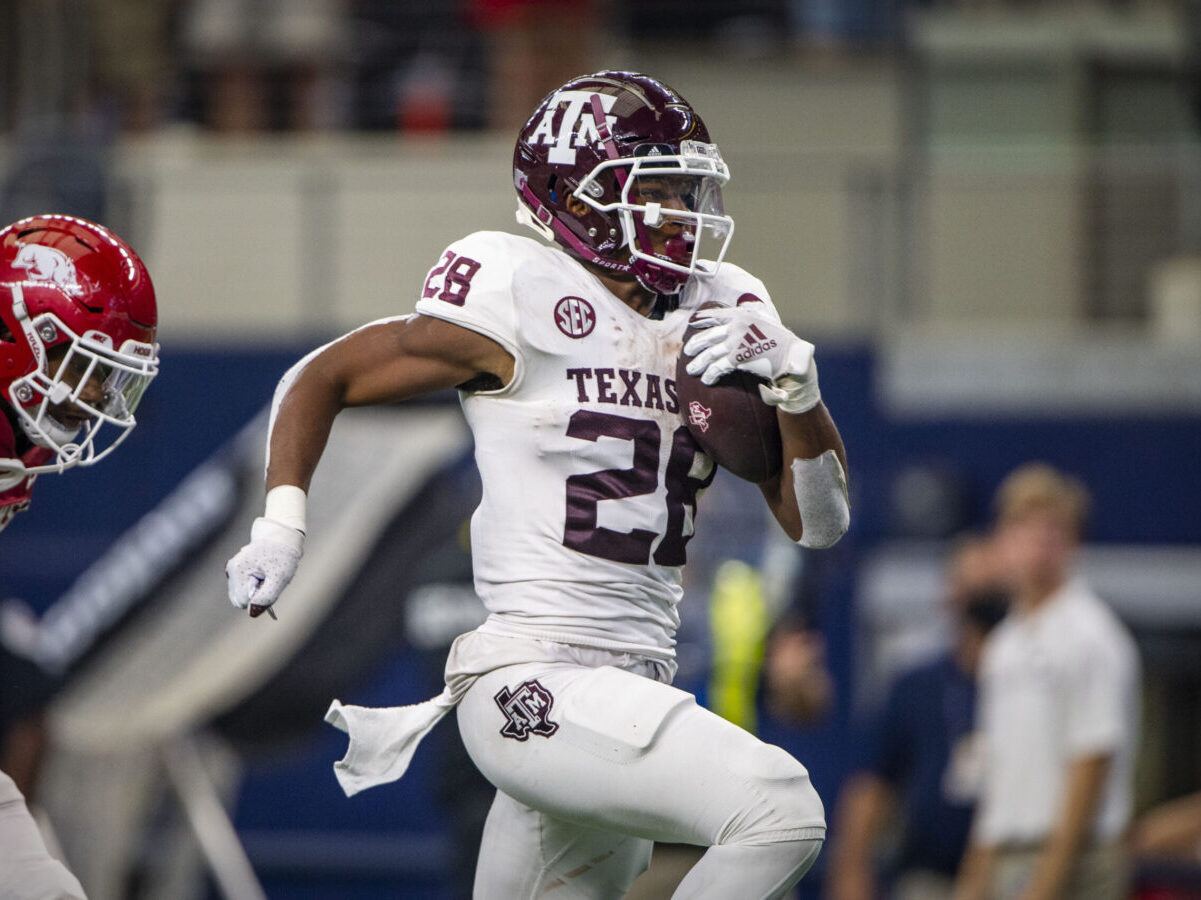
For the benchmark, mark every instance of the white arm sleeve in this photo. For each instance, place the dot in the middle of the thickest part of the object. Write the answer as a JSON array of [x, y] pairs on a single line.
[[821, 497]]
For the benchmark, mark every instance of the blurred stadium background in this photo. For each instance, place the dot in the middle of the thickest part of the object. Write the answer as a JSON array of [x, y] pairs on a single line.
[[986, 215]]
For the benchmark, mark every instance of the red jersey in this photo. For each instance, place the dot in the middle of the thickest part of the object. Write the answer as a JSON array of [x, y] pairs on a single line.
[[15, 498]]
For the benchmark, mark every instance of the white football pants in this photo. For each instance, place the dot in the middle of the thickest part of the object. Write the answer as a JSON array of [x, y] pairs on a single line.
[[27, 870], [594, 764]]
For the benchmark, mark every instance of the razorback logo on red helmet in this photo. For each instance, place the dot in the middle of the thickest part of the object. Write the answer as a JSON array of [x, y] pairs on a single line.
[[577, 122], [48, 264]]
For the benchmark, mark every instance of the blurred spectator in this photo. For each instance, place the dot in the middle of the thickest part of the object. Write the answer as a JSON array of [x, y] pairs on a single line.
[[535, 46], [131, 40], [246, 51], [66, 62], [416, 67], [1170, 831], [796, 682], [58, 165], [766, 646], [922, 768], [1058, 713]]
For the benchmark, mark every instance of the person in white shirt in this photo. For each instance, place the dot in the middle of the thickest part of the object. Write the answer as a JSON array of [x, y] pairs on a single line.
[[565, 360], [1058, 713]]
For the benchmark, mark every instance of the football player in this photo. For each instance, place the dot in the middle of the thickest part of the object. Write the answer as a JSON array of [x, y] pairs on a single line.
[[77, 351], [565, 357]]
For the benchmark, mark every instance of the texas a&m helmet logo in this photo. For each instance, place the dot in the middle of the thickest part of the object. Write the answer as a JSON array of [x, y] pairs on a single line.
[[576, 126], [575, 317], [527, 708]]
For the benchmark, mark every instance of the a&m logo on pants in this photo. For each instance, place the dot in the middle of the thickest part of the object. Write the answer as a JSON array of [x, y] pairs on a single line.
[[527, 708]]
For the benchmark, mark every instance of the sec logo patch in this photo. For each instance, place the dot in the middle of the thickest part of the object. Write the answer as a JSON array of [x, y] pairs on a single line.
[[575, 317]]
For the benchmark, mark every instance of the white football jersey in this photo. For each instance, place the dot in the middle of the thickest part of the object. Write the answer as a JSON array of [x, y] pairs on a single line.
[[590, 478]]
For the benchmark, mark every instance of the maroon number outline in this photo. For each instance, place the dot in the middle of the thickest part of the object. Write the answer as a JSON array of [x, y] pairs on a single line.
[[458, 272], [585, 491], [429, 290], [458, 279]]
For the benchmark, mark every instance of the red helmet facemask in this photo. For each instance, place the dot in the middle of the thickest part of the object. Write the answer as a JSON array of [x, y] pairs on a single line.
[[639, 157], [77, 325]]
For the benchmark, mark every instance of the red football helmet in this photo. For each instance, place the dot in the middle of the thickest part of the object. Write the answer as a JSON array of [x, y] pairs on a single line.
[[77, 323], [639, 157]]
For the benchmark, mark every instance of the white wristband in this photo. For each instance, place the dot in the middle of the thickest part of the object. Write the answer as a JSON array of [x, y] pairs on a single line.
[[285, 504]]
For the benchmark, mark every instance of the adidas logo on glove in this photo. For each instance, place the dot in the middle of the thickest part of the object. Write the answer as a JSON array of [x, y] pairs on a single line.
[[754, 343]]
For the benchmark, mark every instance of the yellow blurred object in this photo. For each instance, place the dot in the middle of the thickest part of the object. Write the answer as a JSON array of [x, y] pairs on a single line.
[[739, 621]]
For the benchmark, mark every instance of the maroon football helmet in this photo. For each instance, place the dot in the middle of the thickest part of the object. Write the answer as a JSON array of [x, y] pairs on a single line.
[[77, 324], [637, 154]]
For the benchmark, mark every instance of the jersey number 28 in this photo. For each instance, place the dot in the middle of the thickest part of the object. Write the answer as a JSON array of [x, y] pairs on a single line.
[[586, 490]]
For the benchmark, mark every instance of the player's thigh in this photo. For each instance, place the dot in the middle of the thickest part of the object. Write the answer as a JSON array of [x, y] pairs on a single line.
[[527, 853], [609, 749]]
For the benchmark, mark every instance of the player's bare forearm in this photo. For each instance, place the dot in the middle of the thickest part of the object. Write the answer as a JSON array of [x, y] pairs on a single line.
[[810, 434], [382, 363], [1173, 829], [804, 437], [301, 428], [797, 684], [1085, 781], [863, 807], [22, 750], [975, 871]]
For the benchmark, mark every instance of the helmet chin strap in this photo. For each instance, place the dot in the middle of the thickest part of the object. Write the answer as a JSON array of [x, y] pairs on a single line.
[[48, 432]]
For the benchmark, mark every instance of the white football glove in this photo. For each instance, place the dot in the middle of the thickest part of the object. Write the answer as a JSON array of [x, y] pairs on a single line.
[[258, 573], [742, 337]]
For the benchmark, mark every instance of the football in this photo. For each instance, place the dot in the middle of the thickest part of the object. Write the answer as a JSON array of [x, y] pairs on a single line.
[[729, 420]]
